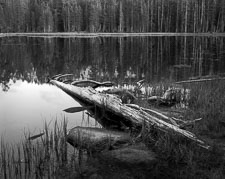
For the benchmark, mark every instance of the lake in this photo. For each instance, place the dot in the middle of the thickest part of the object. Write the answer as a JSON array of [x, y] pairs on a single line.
[[27, 101]]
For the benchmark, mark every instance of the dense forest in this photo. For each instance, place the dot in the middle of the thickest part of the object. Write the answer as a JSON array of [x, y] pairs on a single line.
[[112, 15]]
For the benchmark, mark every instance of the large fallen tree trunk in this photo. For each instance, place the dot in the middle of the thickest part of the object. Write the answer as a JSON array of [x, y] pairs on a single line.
[[114, 111]]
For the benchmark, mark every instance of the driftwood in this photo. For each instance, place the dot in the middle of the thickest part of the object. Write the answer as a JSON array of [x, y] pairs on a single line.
[[169, 98], [158, 114], [92, 83], [112, 111], [125, 95], [97, 139], [172, 120], [60, 76], [200, 80]]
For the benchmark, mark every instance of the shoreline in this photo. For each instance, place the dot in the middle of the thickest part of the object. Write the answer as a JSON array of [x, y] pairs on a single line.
[[87, 34]]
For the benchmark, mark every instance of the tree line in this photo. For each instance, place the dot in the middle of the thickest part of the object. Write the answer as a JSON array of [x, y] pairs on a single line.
[[112, 16]]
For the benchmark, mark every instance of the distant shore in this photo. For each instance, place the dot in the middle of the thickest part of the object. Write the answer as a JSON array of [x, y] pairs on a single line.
[[86, 34]]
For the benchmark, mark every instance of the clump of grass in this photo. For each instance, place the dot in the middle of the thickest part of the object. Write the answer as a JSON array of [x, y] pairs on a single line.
[[44, 157], [179, 158], [207, 100]]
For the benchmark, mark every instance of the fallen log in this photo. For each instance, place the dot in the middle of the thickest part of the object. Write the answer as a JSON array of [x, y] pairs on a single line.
[[97, 139], [171, 97], [200, 80], [182, 123], [113, 111], [92, 83], [125, 95], [60, 76]]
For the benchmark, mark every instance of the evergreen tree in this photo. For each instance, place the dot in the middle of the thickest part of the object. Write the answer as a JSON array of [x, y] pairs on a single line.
[[112, 15]]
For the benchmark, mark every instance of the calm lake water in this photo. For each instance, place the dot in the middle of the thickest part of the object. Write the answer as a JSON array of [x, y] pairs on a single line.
[[26, 101]]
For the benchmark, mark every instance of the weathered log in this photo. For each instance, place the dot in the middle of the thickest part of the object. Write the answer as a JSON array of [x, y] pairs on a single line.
[[122, 113], [92, 83], [200, 80], [67, 81], [171, 97], [175, 121], [161, 115], [125, 95], [59, 76], [97, 139]]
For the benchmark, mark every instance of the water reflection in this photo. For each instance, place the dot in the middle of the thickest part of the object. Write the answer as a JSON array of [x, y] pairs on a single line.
[[28, 105], [118, 59], [27, 62]]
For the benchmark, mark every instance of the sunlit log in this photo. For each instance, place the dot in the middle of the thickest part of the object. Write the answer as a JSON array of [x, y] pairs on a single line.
[[121, 113]]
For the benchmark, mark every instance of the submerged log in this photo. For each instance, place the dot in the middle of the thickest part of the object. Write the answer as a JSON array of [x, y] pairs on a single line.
[[97, 139], [114, 112]]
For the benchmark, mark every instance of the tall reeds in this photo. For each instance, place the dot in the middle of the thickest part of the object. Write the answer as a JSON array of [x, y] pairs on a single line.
[[46, 156], [207, 100]]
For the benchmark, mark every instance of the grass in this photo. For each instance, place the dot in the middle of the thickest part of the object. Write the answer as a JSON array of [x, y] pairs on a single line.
[[208, 101], [178, 158], [50, 157], [46, 157]]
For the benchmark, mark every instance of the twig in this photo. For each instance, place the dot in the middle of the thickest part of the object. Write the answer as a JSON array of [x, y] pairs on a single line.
[[188, 123]]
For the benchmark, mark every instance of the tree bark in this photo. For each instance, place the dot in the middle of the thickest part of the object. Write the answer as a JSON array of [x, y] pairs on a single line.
[[121, 113]]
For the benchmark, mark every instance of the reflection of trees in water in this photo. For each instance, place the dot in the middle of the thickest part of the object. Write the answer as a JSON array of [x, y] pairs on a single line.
[[125, 59]]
